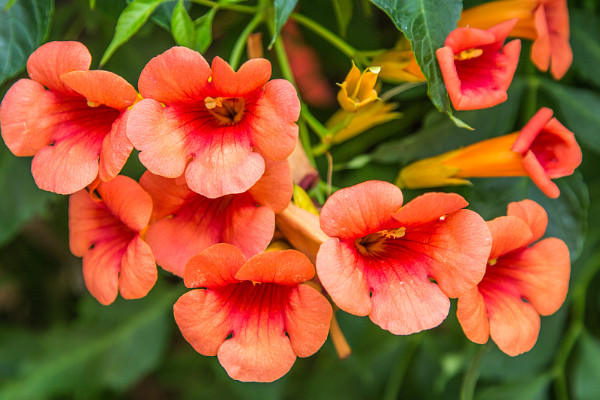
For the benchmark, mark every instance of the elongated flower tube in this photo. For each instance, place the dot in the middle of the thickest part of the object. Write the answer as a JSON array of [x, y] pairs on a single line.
[[187, 223], [522, 281], [367, 117], [477, 66], [546, 22], [214, 125], [399, 64], [254, 315], [543, 150], [70, 119], [108, 232], [358, 89], [382, 256]]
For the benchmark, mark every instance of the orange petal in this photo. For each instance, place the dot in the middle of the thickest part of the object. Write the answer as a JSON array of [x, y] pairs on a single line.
[[531, 130], [361, 209], [85, 218], [533, 214], [540, 50], [53, 59], [168, 195], [538, 175], [215, 267], [307, 319], [251, 76], [286, 267], [508, 234], [429, 207], [138, 270], [127, 201], [177, 75], [472, 316], [274, 189], [101, 266], [101, 87], [116, 149]]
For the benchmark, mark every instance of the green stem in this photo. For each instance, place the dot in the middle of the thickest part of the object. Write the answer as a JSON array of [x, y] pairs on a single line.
[[400, 89], [305, 141], [472, 375], [531, 102], [233, 7], [314, 123], [240, 43], [332, 38]]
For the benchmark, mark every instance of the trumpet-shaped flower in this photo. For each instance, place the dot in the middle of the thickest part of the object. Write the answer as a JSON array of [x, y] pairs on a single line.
[[477, 67], [213, 124], [254, 315], [399, 64], [188, 223], [543, 150], [70, 119], [365, 118], [108, 233], [358, 89], [546, 22], [383, 256], [522, 281]]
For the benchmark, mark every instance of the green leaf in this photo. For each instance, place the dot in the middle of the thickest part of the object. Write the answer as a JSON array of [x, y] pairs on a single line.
[[23, 28], [586, 371], [586, 48], [529, 389], [426, 23], [182, 26], [203, 31], [343, 12], [107, 348], [283, 9], [580, 109], [130, 21]]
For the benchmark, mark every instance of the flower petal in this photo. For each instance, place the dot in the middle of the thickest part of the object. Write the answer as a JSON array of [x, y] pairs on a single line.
[[533, 214], [101, 87], [251, 76], [101, 266], [538, 175], [168, 194], [214, 268], [361, 209], [86, 217], [274, 189], [177, 75], [116, 148], [508, 234], [138, 270], [429, 207], [286, 267], [127, 201], [472, 316]]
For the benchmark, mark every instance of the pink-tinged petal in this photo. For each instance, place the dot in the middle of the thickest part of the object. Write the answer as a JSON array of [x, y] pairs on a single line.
[[286, 267], [533, 214], [53, 59], [68, 166], [557, 150], [562, 57], [224, 164], [201, 316], [461, 39], [429, 207], [248, 227], [168, 194], [86, 217], [538, 175], [514, 324], [138, 270], [541, 50], [404, 300], [502, 30], [341, 272], [214, 268], [531, 130], [158, 133], [101, 87], [307, 320], [177, 75], [541, 273], [101, 266], [472, 316], [26, 117], [274, 189], [251, 76], [272, 119], [508, 234], [116, 149], [259, 349], [361, 209], [127, 201]]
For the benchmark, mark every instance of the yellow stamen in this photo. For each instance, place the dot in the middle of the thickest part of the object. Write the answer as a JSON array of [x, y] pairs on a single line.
[[394, 233], [493, 261], [92, 104], [468, 54], [374, 243], [227, 111], [212, 102], [254, 283]]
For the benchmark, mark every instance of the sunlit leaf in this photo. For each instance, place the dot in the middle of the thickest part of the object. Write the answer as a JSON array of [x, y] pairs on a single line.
[[24, 26], [283, 9], [182, 26], [203, 31]]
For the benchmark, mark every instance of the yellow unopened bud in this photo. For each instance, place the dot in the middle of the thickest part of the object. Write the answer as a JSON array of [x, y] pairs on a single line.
[[358, 89]]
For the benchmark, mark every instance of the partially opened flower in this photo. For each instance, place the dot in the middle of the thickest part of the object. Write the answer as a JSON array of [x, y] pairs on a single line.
[[215, 125], [254, 315], [543, 150], [546, 22], [367, 117], [522, 281], [477, 66], [187, 222], [399, 64], [70, 119], [358, 89], [108, 232], [400, 264]]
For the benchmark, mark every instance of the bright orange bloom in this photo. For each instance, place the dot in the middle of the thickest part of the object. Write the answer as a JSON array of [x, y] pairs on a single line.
[[546, 22], [522, 281], [216, 125], [254, 315], [246, 220], [76, 129], [358, 89], [108, 234], [382, 255], [543, 150], [477, 67]]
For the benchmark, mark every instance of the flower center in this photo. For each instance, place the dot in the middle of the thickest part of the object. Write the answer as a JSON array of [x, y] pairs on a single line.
[[468, 54], [373, 244], [227, 111]]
